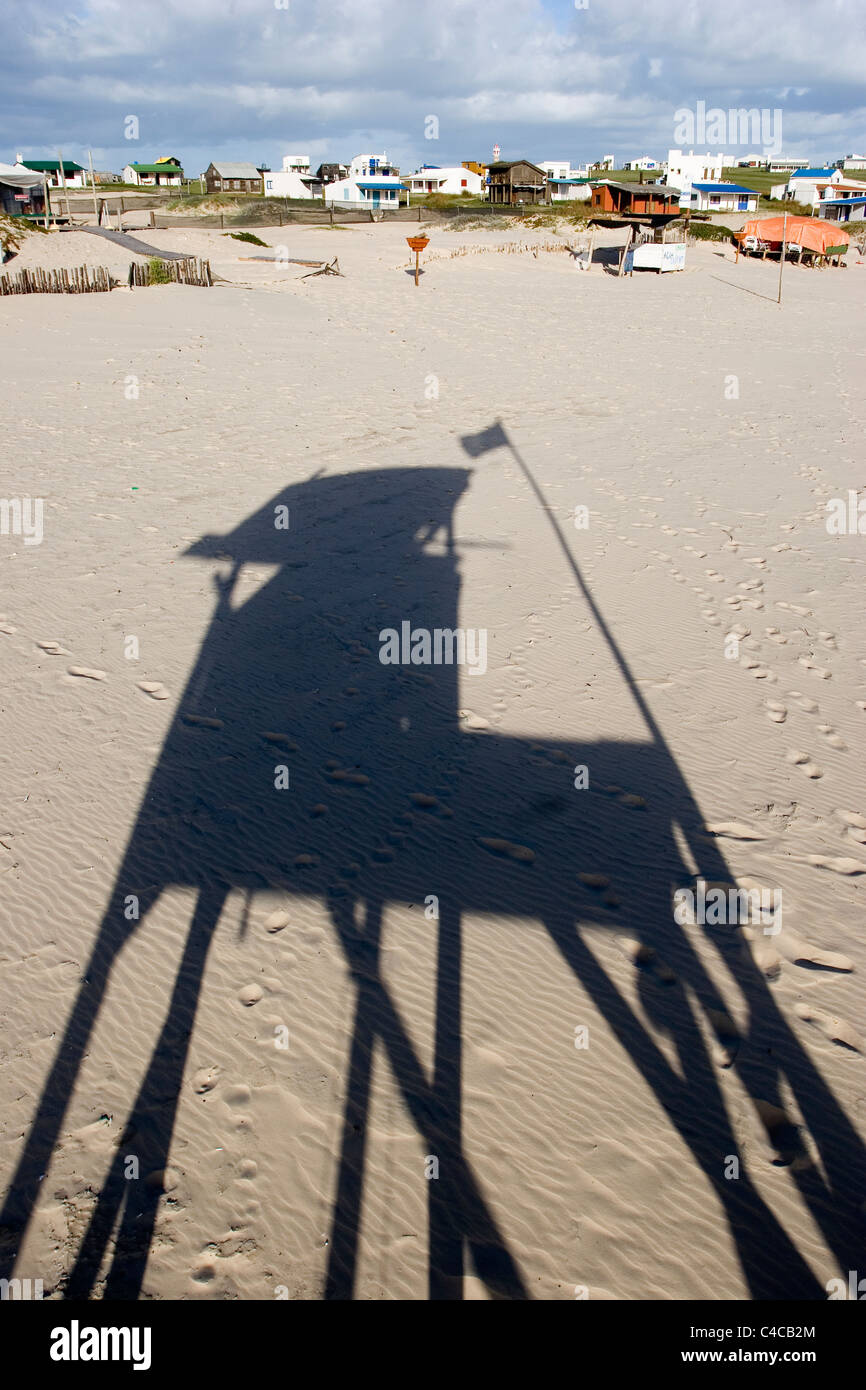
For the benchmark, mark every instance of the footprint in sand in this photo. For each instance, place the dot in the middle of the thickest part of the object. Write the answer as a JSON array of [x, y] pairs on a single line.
[[86, 672], [804, 701], [506, 849], [837, 864], [765, 956], [277, 921], [7, 628], [855, 825], [820, 671], [776, 636], [804, 760], [472, 720], [833, 1027], [250, 994], [801, 952], [53, 648], [201, 721], [644, 958], [155, 689], [733, 830], [835, 740], [205, 1079]]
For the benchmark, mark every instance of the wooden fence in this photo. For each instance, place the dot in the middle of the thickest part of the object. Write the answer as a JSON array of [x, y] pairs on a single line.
[[80, 280], [187, 272]]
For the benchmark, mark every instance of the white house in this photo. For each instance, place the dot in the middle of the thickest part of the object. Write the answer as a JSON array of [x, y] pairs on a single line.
[[154, 175], [782, 164], [852, 161], [294, 180], [380, 191], [432, 179], [564, 183], [287, 183], [682, 169], [74, 175], [368, 166], [723, 197], [844, 207], [810, 185], [561, 169], [644, 162]]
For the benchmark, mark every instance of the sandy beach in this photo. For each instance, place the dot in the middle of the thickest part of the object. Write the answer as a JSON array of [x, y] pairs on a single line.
[[331, 978]]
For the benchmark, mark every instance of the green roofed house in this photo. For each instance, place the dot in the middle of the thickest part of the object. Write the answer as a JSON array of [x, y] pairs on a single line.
[[158, 175], [74, 174]]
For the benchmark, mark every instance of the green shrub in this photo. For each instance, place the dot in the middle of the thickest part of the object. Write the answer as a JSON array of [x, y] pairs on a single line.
[[158, 272], [246, 236]]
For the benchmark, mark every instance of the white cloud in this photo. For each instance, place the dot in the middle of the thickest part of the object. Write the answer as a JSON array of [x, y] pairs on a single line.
[[244, 76]]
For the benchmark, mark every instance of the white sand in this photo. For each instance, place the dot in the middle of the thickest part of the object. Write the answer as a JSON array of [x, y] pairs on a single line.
[[602, 1167]]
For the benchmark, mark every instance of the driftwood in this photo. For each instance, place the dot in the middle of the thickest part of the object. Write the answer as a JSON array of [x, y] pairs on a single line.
[[328, 268], [80, 280], [187, 272]]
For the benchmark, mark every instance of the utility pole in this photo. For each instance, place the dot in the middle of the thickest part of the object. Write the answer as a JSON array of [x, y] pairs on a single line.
[[782, 257], [63, 184], [46, 200], [93, 186]]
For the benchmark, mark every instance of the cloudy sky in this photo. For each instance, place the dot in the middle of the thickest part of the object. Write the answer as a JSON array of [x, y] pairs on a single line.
[[254, 79]]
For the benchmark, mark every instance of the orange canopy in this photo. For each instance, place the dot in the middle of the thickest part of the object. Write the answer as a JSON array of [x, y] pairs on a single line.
[[811, 232]]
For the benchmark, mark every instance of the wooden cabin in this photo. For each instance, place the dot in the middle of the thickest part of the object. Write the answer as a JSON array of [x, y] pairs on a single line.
[[232, 177], [516, 181], [635, 199]]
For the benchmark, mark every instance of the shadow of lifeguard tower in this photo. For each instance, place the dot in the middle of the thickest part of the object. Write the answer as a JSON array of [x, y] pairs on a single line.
[[416, 805]]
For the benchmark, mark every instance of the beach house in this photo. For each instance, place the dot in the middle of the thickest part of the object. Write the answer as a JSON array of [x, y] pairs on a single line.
[[682, 170], [376, 191], [514, 181], [232, 177], [841, 205], [722, 197], [643, 162], [294, 180], [564, 183], [75, 175], [20, 190], [808, 185], [431, 178], [648, 200], [156, 175]]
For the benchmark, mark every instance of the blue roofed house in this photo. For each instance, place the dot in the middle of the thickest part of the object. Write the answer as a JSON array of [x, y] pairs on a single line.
[[565, 184], [722, 197], [843, 204], [372, 182], [807, 185]]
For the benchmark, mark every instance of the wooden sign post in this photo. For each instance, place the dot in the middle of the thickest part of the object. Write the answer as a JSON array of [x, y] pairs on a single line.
[[417, 244]]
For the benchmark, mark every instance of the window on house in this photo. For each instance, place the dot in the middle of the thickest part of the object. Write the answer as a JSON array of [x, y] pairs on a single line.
[[715, 200], [462, 183]]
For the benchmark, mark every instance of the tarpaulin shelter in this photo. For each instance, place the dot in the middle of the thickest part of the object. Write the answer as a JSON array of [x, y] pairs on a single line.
[[808, 232], [20, 189]]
